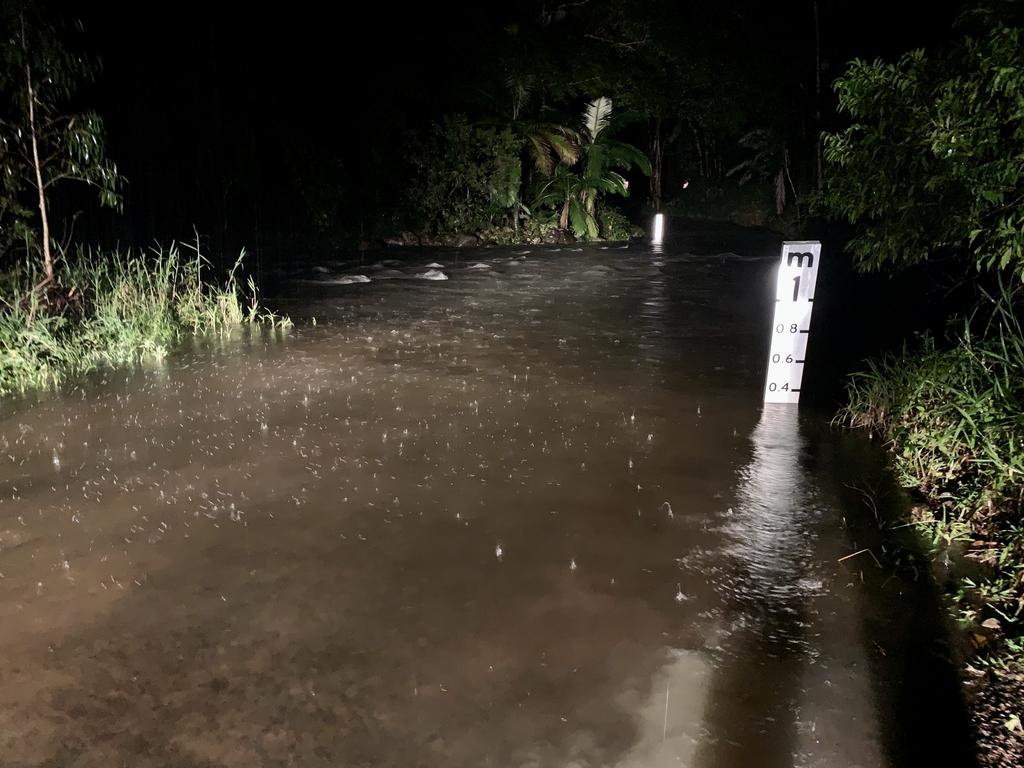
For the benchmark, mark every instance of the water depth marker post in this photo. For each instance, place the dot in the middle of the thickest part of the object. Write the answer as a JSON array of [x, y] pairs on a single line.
[[659, 228], [791, 326]]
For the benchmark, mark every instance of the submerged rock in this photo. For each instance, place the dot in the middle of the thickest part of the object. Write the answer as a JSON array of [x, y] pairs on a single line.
[[559, 237], [479, 265], [349, 279], [340, 280], [432, 274]]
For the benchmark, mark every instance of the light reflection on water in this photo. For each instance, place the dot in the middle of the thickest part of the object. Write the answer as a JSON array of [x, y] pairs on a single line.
[[530, 515]]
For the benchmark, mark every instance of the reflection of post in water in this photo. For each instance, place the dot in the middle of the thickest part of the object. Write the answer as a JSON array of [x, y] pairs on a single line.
[[653, 312], [750, 714]]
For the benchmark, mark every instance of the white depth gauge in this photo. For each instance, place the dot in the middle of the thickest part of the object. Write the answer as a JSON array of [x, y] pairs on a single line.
[[794, 300]]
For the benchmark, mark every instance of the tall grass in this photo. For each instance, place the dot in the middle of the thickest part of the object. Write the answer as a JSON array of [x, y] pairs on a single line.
[[953, 418], [125, 308]]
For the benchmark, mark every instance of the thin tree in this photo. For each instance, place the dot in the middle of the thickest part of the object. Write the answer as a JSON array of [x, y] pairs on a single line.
[[39, 145]]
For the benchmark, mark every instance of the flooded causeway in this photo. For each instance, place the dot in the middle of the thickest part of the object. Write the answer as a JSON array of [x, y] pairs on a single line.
[[533, 514]]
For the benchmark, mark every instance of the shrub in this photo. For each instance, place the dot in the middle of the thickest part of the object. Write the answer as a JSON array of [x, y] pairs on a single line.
[[465, 176], [614, 224]]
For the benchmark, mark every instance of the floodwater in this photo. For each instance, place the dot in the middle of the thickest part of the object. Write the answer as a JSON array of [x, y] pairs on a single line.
[[530, 515]]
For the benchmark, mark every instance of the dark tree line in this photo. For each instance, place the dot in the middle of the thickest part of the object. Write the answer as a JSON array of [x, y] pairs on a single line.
[[291, 130]]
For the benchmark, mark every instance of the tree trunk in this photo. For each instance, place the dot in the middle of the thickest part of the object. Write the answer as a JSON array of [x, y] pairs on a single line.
[[47, 253], [657, 151]]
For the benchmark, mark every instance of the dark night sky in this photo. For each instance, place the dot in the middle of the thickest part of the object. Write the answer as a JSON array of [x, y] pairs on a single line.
[[212, 112]]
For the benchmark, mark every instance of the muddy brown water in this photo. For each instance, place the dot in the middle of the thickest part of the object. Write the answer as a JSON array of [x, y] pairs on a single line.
[[530, 515]]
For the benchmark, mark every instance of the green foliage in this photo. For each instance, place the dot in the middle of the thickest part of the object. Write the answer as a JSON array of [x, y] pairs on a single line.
[[465, 175], [127, 308], [614, 224], [934, 160], [601, 159], [954, 421], [546, 143], [33, 60], [767, 161]]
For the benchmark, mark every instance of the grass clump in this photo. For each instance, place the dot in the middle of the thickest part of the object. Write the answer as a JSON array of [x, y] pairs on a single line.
[[113, 309], [953, 418]]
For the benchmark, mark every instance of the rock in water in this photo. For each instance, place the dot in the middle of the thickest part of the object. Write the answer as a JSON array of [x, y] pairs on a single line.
[[432, 274]]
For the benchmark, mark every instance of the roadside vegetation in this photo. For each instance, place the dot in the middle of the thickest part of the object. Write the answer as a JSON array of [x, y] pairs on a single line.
[[587, 118], [64, 315], [954, 418], [115, 309], [932, 170], [522, 181]]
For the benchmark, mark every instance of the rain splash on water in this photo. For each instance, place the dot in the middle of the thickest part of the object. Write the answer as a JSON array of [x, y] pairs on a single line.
[[500, 507]]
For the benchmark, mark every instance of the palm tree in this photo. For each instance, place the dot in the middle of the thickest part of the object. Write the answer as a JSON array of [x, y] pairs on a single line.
[[602, 158], [547, 145]]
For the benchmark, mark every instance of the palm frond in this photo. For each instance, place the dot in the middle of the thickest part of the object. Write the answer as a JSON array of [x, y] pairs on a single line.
[[596, 116], [615, 184], [540, 154], [626, 155], [563, 140], [583, 223]]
